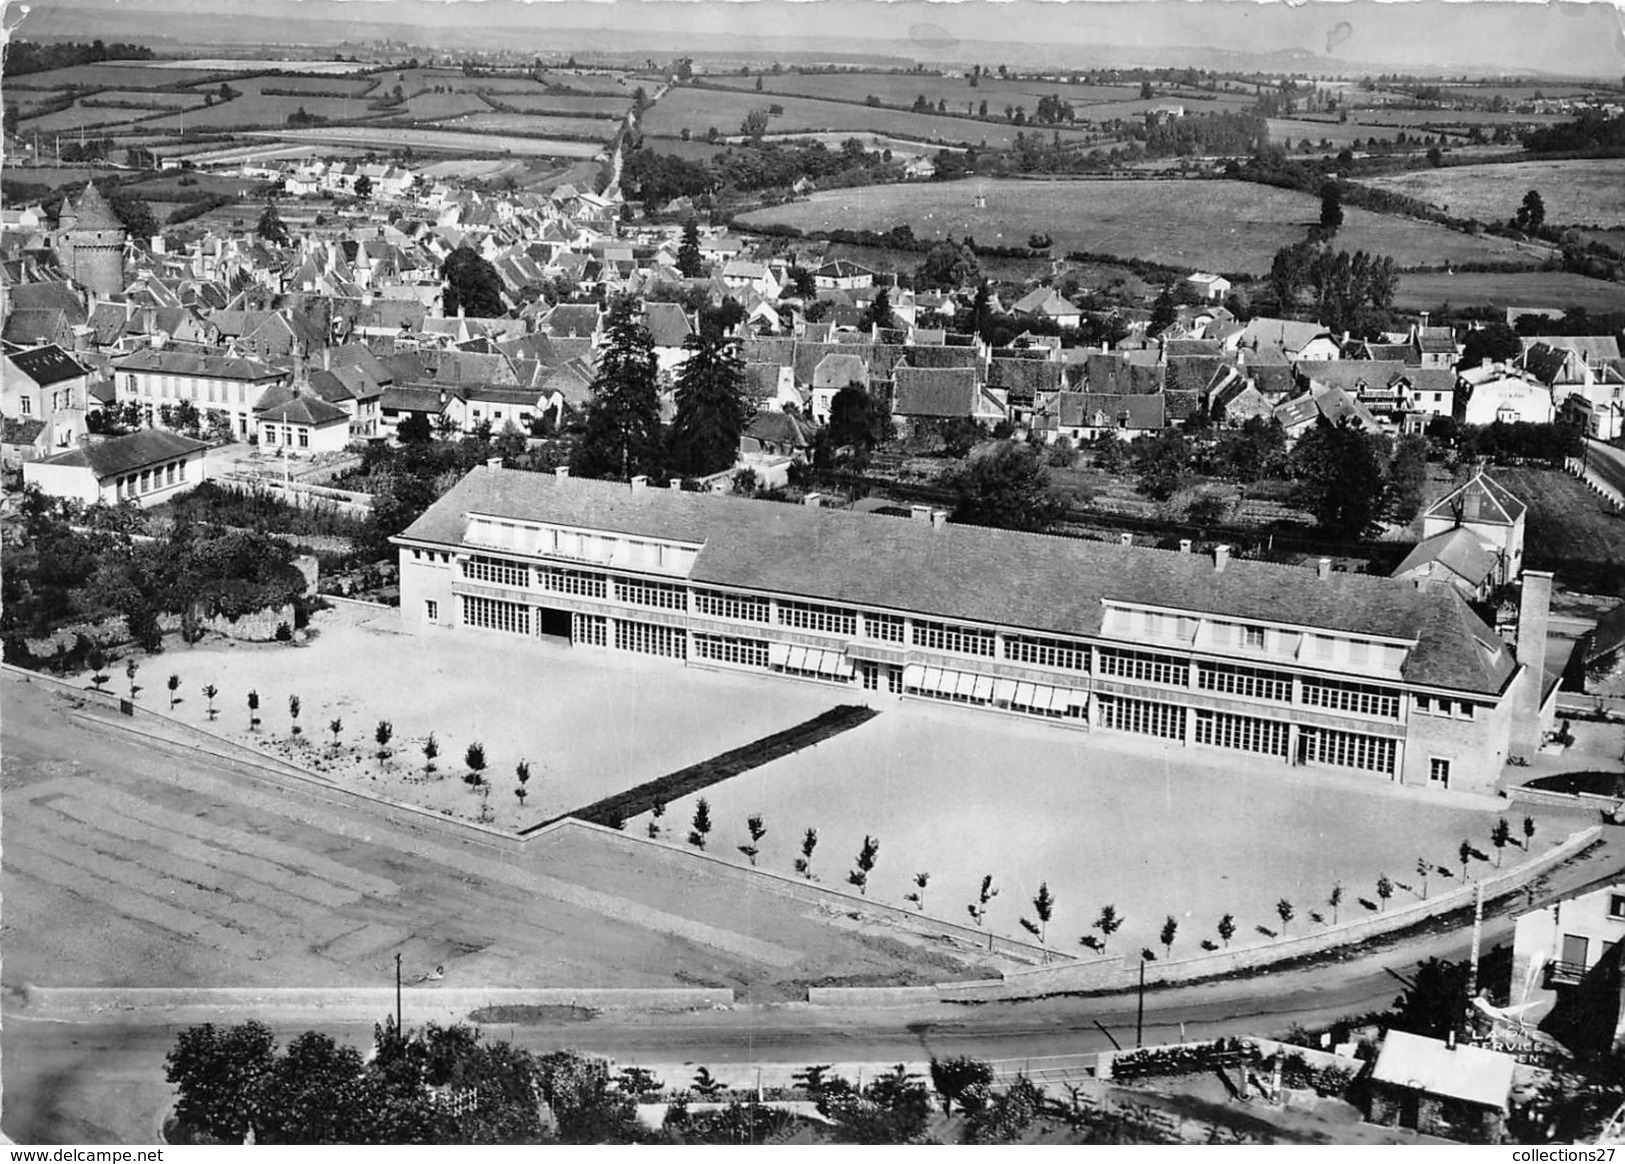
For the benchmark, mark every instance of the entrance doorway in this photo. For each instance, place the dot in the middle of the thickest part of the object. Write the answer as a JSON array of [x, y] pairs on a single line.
[[554, 624]]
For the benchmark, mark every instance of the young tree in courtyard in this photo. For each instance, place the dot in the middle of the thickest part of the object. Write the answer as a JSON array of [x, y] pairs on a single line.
[[1528, 832], [1385, 890], [130, 671], [1108, 923], [700, 826], [809, 842], [917, 898], [978, 908], [209, 692], [711, 406], [97, 661], [1044, 907], [1170, 930], [655, 813], [622, 437], [474, 758], [1424, 868], [1335, 900], [1227, 928], [1499, 836], [335, 726], [521, 771], [382, 734], [868, 854], [1464, 853], [757, 830], [430, 748], [1284, 911], [1164, 311], [174, 685], [293, 713], [253, 710]]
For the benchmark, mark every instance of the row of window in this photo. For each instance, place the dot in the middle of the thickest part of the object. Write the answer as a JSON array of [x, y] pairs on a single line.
[[885, 628], [659, 595], [497, 571], [649, 639], [960, 640], [1242, 733], [148, 480], [1248, 682], [185, 388], [286, 435], [727, 649], [1143, 667], [1046, 653], [1348, 750], [1360, 698], [1446, 708], [809, 616], [589, 630], [737, 607], [1140, 716], [576, 582], [492, 614]]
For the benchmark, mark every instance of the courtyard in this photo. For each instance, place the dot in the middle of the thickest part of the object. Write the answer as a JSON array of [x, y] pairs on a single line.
[[1155, 831]]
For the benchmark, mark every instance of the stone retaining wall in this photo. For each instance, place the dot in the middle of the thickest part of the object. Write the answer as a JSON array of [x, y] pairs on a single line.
[[1549, 799]]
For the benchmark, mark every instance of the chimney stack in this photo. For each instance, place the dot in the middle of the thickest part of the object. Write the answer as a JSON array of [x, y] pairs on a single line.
[[813, 500], [1125, 539], [562, 472], [640, 483], [1534, 608], [939, 519], [1323, 568], [919, 512], [1184, 545], [1221, 558], [493, 463], [675, 484]]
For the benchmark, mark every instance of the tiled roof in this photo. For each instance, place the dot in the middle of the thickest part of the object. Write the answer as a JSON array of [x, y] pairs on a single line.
[[1112, 410], [93, 212], [934, 392], [667, 324], [1481, 499], [198, 364], [780, 428], [840, 370], [121, 454], [987, 575], [46, 365], [923, 356], [1464, 1072], [1023, 379], [303, 409], [1457, 550]]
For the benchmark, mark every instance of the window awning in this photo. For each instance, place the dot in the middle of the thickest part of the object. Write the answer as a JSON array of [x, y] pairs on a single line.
[[798, 658], [778, 653], [932, 680], [1024, 694], [964, 683], [833, 663], [914, 676], [1073, 698], [1004, 689], [983, 688]]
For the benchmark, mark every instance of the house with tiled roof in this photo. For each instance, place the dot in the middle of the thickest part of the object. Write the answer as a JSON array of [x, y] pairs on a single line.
[[1489, 511], [1499, 392], [1048, 303], [210, 381], [835, 372], [842, 275], [1457, 558], [1300, 668], [1295, 339], [1083, 416], [1332, 405], [772, 442], [301, 424], [49, 385], [143, 468], [932, 394]]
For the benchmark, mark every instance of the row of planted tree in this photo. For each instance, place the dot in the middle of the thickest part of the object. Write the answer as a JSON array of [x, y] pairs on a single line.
[[701, 825]]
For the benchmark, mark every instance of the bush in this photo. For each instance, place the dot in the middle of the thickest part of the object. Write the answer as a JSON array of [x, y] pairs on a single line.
[[284, 633]]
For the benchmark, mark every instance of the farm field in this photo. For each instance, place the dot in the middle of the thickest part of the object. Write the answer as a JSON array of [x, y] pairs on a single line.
[[148, 98], [168, 185], [384, 137], [613, 84], [585, 127], [80, 116], [354, 86], [1427, 291], [1224, 226], [1577, 193], [111, 75], [438, 106], [698, 110], [259, 111], [1295, 130], [562, 104], [255, 65], [1569, 529]]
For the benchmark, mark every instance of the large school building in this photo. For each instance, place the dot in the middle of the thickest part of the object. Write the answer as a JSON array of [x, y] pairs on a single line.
[[1348, 672]]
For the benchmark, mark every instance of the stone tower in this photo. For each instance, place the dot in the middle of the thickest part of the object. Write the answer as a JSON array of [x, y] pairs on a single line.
[[90, 243]]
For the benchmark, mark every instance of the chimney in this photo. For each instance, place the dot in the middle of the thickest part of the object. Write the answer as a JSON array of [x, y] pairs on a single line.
[[1221, 558], [919, 512], [640, 483], [1323, 569], [1125, 539], [562, 472], [1534, 607], [813, 500], [675, 484], [493, 463], [1184, 545], [327, 359], [939, 519], [1450, 1039]]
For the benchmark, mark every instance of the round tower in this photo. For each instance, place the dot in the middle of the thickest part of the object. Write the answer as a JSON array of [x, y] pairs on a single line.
[[90, 243]]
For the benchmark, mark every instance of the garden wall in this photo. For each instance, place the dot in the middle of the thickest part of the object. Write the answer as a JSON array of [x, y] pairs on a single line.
[[255, 627], [1548, 799], [1123, 974]]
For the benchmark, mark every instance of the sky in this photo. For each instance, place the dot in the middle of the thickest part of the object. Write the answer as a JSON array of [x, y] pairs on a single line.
[[1557, 38]]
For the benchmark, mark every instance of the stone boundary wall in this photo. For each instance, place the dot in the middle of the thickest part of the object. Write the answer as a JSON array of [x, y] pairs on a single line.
[[43, 1002], [257, 626], [1123, 974], [1549, 799], [1582, 470]]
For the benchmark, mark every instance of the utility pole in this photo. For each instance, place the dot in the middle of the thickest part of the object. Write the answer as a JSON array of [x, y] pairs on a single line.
[[1139, 1018], [398, 1034], [1478, 937]]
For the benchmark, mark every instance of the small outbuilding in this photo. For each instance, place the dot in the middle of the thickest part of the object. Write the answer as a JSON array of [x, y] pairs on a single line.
[[1443, 1089], [146, 467]]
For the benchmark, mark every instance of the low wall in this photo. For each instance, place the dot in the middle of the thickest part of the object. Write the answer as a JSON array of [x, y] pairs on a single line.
[[1107, 975], [872, 995], [1549, 799], [258, 626], [1588, 475]]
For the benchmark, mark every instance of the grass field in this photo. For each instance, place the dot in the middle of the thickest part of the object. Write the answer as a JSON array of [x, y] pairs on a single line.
[[438, 106], [1294, 130], [384, 137], [698, 110], [1577, 193], [1225, 226], [565, 105], [1566, 524], [1426, 292], [79, 116], [128, 75], [256, 111], [612, 84], [595, 128]]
